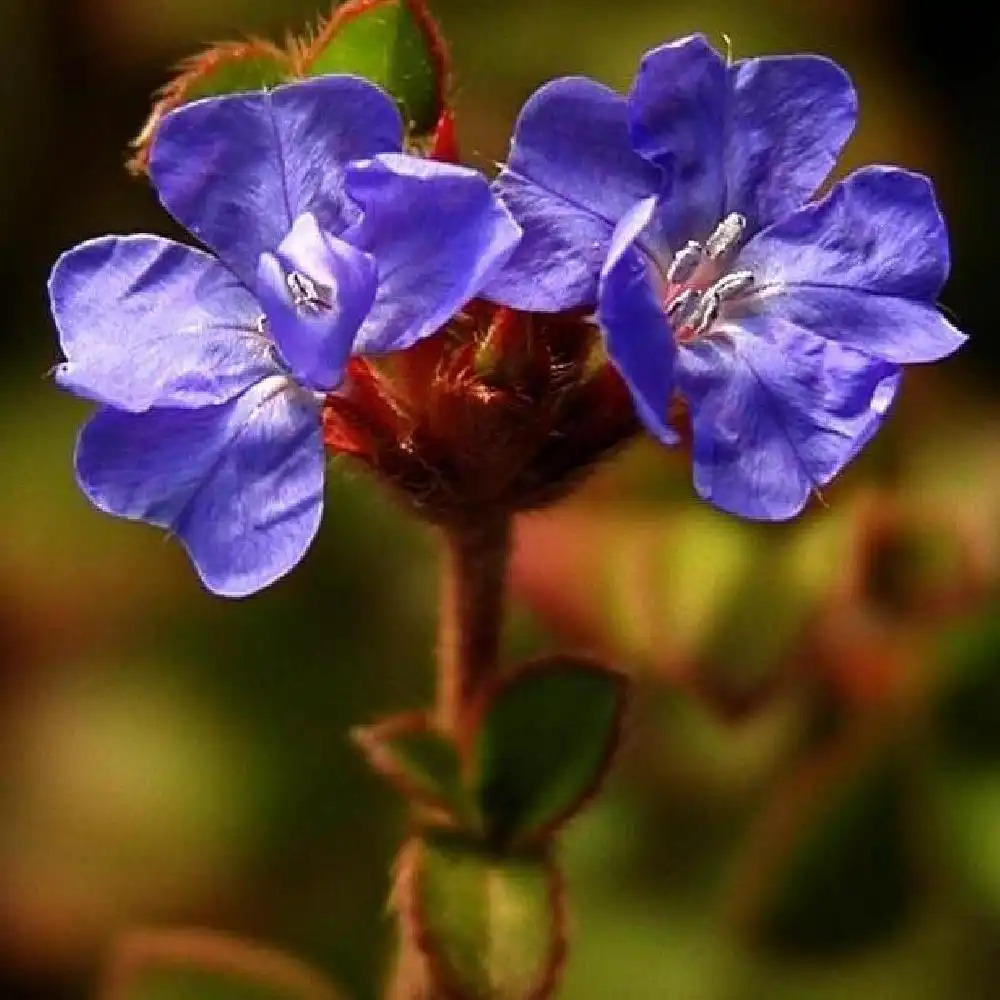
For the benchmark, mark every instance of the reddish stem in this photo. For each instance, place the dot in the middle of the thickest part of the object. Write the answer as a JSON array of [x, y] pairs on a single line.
[[473, 587]]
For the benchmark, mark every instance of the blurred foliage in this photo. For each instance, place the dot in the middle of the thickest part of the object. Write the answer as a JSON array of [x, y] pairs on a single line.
[[808, 804], [202, 965]]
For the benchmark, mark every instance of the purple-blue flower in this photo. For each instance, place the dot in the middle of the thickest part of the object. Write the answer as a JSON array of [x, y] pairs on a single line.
[[679, 212], [211, 368]]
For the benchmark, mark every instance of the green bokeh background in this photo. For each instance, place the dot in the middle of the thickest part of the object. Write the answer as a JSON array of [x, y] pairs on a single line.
[[170, 758]]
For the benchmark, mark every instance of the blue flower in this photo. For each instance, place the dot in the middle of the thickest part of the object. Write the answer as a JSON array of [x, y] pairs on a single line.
[[212, 369], [679, 211]]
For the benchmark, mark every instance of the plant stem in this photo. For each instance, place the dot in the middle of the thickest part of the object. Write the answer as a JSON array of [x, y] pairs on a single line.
[[410, 979], [473, 588]]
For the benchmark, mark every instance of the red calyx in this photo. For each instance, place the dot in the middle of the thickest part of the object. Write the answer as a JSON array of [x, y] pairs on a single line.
[[500, 411]]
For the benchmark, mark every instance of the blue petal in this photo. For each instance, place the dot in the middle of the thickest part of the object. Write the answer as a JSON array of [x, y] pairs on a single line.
[[147, 322], [776, 413], [790, 118], [639, 337], [239, 170], [437, 233], [862, 267], [241, 484], [677, 119], [898, 330], [571, 175], [316, 342]]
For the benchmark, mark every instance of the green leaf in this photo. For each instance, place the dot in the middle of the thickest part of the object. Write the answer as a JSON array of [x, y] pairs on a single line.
[[239, 70], [543, 742], [420, 762], [491, 928], [393, 43], [227, 68], [196, 965]]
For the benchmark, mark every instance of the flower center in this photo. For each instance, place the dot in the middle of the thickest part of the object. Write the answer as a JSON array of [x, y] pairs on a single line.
[[307, 295], [698, 283]]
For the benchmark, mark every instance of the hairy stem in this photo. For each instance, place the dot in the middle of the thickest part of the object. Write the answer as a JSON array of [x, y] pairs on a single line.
[[473, 587], [410, 977]]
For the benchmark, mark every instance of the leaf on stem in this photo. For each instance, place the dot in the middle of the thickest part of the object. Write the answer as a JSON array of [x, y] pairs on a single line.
[[418, 761], [541, 743], [489, 927]]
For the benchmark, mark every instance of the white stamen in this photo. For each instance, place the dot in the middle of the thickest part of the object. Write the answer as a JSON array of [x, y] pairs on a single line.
[[706, 314], [729, 286], [685, 263], [308, 294], [684, 306], [726, 236], [261, 325]]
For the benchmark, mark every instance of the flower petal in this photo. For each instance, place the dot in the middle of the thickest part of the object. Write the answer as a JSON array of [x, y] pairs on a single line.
[[240, 484], [677, 119], [571, 175], [776, 413], [790, 118], [862, 266], [880, 229], [144, 321], [238, 170], [316, 340], [437, 233], [895, 329], [639, 336]]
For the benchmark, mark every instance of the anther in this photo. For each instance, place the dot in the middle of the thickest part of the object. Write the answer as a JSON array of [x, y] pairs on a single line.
[[726, 235], [261, 325], [683, 306], [706, 314], [308, 294], [729, 286], [685, 263]]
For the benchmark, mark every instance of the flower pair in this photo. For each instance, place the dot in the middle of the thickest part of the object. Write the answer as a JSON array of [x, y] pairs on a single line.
[[211, 370], [677, 216]]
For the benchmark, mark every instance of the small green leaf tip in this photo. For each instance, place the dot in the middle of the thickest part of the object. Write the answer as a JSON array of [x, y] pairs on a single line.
[[417, 760], [541, 745], [395, 44], [227, 68], [488, 928]]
